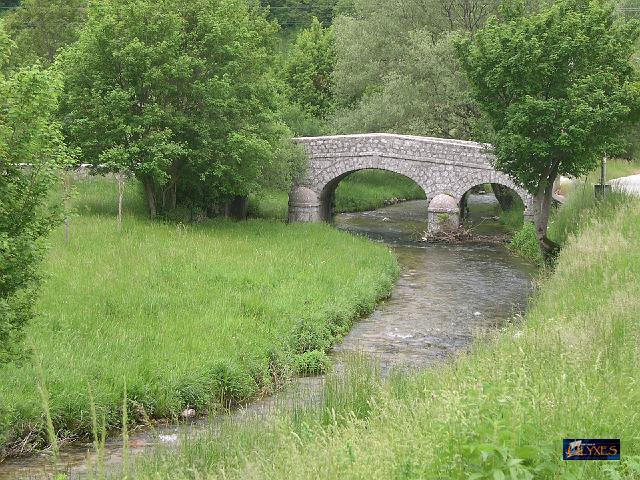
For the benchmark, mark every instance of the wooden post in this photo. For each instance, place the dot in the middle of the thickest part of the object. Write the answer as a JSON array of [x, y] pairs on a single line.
[[120, 177]]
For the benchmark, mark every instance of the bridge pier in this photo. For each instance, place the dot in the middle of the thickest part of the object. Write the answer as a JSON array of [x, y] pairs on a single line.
[[443, 214], [304, 205]]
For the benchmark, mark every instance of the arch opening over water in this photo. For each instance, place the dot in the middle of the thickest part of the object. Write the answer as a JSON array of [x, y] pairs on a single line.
[[367, 189]]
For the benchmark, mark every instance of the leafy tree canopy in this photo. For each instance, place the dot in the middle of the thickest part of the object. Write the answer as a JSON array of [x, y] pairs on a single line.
[[31, 154], [41, 27], [397, 70], [558, 88], [293, 14], [309, 70], [180, 93]]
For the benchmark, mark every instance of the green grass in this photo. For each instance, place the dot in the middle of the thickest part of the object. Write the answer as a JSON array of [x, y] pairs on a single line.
[[198, 315], [372, 189], [579, 208], [361, 191], [569, 368], [617, 168]]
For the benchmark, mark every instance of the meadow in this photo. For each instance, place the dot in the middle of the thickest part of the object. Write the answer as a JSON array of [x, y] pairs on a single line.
[[179, 315], [567, 369]]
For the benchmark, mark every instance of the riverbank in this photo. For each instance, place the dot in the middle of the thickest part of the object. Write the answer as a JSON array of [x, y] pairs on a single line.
[[179, 316], [568, 369]]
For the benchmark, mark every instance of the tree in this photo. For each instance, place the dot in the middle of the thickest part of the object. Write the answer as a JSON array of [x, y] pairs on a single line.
[[558, 88], [179, 93], [31, 154], [426, 94], [397, 69], [40, 28], [309, 70], [300, 13]]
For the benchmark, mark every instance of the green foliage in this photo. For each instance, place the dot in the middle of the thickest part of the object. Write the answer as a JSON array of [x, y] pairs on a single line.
[[189, 314], [309, 70], [499, 411], [557, 87], [28, 135], [182, 94], [425, 94], [397, 70], [512, 218], [41, 28], [293, 14], [315, 362], [525, 244]]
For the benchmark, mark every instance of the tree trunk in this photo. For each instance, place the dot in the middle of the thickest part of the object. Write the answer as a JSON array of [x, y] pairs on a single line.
[[504, 195], [173, 198], [150, 195], [120, 177], [542, 203]]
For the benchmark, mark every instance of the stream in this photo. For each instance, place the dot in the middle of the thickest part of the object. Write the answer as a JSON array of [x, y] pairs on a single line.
[[446, 295]]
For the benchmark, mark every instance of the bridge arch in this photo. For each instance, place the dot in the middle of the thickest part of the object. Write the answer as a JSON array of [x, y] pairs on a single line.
[[326, 195], [439, 166]]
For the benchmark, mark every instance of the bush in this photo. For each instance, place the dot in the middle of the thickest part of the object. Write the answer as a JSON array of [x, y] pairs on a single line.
[[28, 135], [315, 362], [525, 244]]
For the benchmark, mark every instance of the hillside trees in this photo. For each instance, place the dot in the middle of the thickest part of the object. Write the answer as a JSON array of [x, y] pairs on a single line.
[[178, 93], [558, 89], [293, 14], [41, 27], [309, 69], [31, 153], [397, 70]]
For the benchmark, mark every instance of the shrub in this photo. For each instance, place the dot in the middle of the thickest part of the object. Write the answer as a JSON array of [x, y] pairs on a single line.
[[525, 244], [315, 362]]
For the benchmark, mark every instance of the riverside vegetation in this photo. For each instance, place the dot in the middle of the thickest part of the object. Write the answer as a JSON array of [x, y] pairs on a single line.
[[499, 412], [197, 315]]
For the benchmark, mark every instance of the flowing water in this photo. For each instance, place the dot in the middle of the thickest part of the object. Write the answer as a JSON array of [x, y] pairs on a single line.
[[446, 295]]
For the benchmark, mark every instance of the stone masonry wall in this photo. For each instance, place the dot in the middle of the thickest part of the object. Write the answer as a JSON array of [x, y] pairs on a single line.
[[438, 166]]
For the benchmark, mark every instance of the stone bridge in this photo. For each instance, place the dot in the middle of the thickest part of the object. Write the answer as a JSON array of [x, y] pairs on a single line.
[[445, 169]]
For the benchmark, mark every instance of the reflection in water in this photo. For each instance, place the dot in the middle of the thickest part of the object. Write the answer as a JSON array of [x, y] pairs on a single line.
[[446, 294]]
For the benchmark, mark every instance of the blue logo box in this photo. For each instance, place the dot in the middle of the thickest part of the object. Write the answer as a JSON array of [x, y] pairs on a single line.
[[590, 449]]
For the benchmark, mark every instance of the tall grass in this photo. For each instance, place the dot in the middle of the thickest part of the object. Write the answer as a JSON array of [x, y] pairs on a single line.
[[201, 315], [580, 208], [372, 189], [568, 369], [569, 218]]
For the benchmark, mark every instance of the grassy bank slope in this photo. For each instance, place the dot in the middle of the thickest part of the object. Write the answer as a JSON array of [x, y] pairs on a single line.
[[568, 369], [185, 315]]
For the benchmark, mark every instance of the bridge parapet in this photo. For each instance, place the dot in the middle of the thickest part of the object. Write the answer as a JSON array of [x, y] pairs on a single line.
[[420, 149]]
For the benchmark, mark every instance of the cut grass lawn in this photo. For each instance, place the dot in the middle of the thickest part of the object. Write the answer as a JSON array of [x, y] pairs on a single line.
[[197, 315], [568, 369]]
